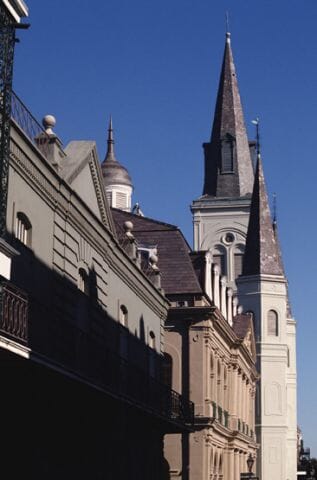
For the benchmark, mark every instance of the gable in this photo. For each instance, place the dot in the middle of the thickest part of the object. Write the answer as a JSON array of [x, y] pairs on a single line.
[[81, 170], [84, 186]]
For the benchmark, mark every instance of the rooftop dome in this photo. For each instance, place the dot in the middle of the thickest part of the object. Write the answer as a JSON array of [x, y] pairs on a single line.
[[112, 171]]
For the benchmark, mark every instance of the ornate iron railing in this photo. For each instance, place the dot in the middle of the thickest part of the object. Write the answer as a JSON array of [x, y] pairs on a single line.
[[14, 312], [88, 357], [28, 123]]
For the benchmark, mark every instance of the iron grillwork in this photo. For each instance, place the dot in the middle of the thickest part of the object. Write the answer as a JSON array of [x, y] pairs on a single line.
[[7, 42], [28, 123], [14, 312], [88, 357]]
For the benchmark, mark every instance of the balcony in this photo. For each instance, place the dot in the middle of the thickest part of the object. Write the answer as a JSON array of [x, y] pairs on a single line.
[[79, 353], [28, 123]]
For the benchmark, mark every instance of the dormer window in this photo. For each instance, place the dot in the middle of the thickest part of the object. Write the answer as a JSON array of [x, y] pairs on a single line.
[[23, 229]]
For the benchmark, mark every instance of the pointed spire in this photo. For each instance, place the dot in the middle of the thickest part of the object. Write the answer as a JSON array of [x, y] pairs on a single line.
[[113, 172], [110, 155], [262, 251], [228, 165]]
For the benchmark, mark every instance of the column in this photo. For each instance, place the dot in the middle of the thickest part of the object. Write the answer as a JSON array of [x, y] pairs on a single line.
[[236, 465], [223, 287], [230, 465], [216, 273]]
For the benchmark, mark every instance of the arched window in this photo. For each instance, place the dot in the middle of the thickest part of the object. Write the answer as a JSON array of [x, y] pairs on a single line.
[[123, 315], [167, 370], [219, 258], [272, 323], [23, 229], [238, 260], [83, 281], [152, 339], [152, 355]]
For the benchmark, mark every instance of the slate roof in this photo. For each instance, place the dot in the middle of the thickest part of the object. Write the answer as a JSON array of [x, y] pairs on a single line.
[[262, 251], [228, 120], [177, 273], [241, 324]]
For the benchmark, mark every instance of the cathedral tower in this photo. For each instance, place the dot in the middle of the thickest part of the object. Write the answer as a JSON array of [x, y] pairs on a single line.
[[221, 214], [262, 290]]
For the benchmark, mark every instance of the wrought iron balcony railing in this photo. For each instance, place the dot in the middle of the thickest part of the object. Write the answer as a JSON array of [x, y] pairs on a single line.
[[80, 353], [14, 313], [28, 123]]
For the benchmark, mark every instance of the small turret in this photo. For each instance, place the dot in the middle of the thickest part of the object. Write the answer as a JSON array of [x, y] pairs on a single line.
[[117, 181]]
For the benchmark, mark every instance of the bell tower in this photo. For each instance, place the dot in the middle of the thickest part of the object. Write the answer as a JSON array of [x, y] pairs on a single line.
[[262, 290], [221, 214]]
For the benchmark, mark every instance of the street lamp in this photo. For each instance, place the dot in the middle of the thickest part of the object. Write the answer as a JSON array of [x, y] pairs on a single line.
[[250, 462]]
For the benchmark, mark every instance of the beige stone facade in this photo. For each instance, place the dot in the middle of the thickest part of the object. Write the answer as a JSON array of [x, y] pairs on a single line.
[[216, 369]]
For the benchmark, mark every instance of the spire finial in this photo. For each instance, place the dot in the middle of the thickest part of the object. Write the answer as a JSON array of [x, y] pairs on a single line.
[[227, 27], [256, 122], [110, 150]]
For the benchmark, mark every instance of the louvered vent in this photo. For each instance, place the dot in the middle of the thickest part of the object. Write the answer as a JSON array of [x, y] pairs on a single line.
[[121, 200]]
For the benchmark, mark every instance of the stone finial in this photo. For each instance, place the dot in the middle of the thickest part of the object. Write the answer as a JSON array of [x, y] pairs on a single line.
[[49, 122], [128, 227], [240, 309], [216, 269], [153, 259]]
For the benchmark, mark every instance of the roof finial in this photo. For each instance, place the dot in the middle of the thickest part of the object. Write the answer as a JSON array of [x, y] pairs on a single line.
[[227, 27], [256, 122], [110, 150]]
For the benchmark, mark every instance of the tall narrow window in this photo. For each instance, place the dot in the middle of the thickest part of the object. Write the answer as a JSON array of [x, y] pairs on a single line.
[[238, 260], [167, 370], [23, 229], [152, 355], [123, 314], [83, 281], [152, 339], [272, 323], [227, 152]]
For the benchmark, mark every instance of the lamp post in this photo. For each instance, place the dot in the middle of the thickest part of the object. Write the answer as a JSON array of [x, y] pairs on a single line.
[[250, 462], [249, 475]]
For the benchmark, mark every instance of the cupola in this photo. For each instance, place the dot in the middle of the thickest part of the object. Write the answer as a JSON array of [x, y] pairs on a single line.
[[116, 178]]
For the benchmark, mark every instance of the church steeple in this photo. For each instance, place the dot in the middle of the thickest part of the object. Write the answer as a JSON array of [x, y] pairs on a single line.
[[262, 251], [228, 165]]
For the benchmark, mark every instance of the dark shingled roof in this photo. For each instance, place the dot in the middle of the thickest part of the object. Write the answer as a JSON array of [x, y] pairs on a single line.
[[228, 124], [241, 324], [262, 252], [177, 273]]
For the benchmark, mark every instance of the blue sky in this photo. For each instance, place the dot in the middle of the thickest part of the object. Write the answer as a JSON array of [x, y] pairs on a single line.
[[155, 67]]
